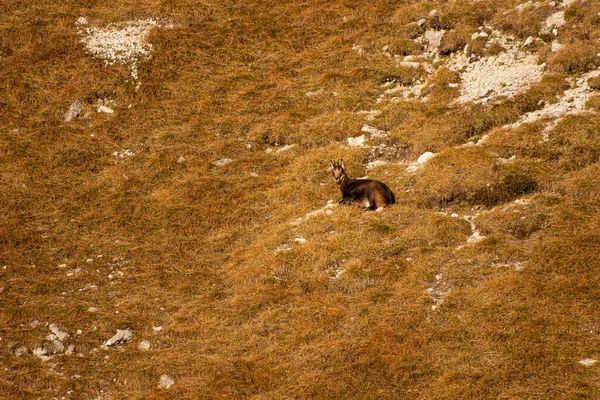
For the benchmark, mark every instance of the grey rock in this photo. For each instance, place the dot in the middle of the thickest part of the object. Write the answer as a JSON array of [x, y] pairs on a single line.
[[165, 381], [20, 351], [222, 162], [144, 345], [74, 110], [122, 336], [70, 349], [60, 335], [56, 346]]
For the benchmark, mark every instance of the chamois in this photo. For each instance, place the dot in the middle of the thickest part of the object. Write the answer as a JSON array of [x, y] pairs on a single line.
[[369, 193]]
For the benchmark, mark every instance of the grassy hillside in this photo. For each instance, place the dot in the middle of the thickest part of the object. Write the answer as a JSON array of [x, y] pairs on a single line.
[[244, 280]]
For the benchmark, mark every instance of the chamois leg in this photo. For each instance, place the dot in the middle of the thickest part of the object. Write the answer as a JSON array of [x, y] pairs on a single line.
[[372, 203]]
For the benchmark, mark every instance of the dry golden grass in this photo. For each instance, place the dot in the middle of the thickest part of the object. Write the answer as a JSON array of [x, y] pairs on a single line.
[[191, 247]]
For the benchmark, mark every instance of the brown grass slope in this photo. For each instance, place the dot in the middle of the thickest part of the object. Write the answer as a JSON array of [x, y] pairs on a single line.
[[190, 247]]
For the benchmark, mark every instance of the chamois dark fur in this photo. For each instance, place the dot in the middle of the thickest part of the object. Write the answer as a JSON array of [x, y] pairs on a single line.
[[369, 193]]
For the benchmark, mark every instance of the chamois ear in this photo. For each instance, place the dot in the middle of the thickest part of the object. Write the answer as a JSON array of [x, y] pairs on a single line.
[[341, 163], [332, 164]]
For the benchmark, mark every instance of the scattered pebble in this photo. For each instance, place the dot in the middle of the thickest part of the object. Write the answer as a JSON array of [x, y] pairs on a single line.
[[41, 352], [122, 336], [588, 362], [74, 110], [357, 141], [374, 132], [285, 148], [60, 335], [222, 162], [144, 345], [421, 161], [315, 93], [20, 351], [165, 382], [555, 46], [105, 109]]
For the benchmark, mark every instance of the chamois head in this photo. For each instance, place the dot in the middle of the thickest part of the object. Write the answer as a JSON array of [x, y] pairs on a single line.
[[337, 169]]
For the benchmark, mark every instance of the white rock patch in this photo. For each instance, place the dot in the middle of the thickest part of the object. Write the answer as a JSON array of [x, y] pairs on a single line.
[[505, 74], [165, 382], [573, 102], [122, 336], [421, 161], [327, 209], [556, 20], [357, 141], [122, 43], [588, 362]]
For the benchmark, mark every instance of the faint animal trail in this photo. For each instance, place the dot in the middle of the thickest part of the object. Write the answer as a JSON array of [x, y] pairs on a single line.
[[368, 193]]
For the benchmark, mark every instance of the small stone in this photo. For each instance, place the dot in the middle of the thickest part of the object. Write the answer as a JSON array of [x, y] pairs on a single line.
[[40, 352], [79, 331], [106, 110], [285, 148], [588, 362], [475, 36], [528, 41], [423, 158], [181, 160], [122, 336], [300, 240], [92, 309], [315, 93], [555, 46], [453, 85], [157, 329], [60, 335], [57, 346], [254, 174], [222, 162], [144, 345], [81, 21], [165, 382], [409, 64], [74, 110], [20, 351], [357, 141], [421, 22], [269, 150]]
